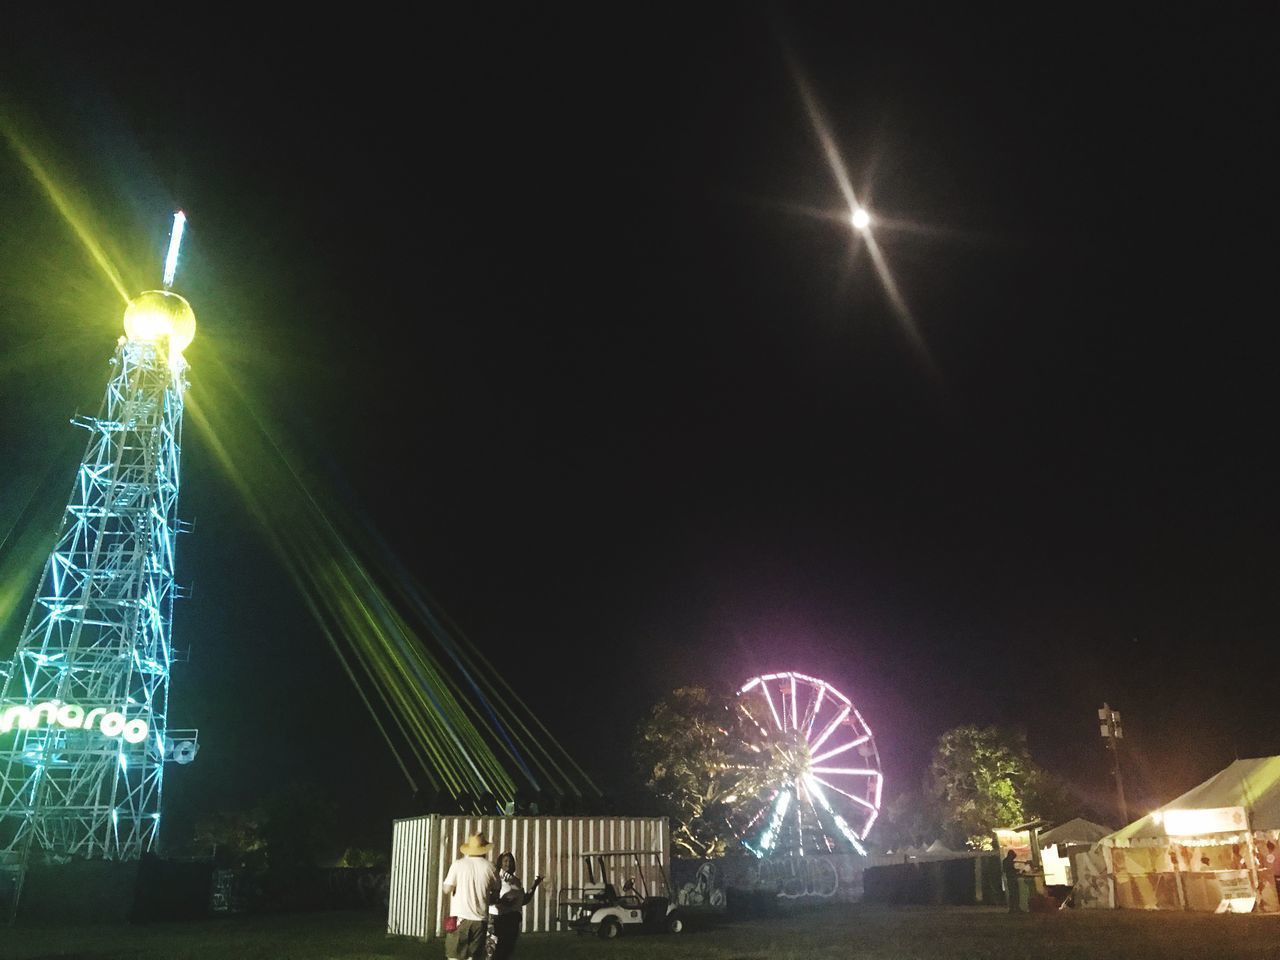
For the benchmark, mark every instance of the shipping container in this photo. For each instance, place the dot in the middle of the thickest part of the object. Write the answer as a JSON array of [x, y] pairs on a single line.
[[423, 847]]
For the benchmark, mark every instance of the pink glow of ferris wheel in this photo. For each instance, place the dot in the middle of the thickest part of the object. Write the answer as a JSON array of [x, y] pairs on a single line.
[[822, 781]]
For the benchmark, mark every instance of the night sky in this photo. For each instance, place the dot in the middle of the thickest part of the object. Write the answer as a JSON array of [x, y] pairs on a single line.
[[536, 295]]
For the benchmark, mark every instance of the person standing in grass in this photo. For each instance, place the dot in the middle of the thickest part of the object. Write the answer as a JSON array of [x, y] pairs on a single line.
[[472, 885], [508, 911], [1011, 875]]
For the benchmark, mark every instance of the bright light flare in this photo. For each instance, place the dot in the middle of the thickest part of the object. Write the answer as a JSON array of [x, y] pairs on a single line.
[[62, 201], [155, 315], [859, 217], [822, 131], [175, 242]]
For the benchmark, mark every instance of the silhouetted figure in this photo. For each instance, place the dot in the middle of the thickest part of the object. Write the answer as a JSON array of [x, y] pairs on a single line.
[[1011, 881]]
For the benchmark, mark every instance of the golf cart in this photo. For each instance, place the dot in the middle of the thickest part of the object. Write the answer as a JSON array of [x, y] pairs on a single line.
[[643, 903]]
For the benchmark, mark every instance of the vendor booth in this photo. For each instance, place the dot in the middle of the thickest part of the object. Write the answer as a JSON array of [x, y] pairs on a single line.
[[1059, 845], [1216, 848]]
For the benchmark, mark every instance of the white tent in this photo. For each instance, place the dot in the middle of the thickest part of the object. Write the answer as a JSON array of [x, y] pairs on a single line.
[[1057, 845], [1074, 832], [1203, 850], [1253, 785]]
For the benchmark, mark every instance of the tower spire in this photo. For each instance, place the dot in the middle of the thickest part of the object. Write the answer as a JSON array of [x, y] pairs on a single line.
[[175, 243]]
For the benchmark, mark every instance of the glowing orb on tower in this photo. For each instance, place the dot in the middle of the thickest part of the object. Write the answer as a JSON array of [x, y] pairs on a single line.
[[158, 314]]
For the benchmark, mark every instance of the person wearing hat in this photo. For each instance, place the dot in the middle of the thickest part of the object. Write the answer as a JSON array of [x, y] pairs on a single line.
[[472, 884]]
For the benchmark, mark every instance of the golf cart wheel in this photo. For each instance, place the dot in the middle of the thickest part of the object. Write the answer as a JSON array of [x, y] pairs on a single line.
[[609, 929], [674, 924]]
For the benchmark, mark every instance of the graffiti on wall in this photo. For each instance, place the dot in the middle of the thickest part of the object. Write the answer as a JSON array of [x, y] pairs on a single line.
[[796, 877], [706, 889], [705, 883]]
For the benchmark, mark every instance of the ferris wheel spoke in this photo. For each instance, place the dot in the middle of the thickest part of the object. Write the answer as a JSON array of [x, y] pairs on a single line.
[[830, 728], [848, 771], [772, 709], [854, 798], [780, 805], [838, 750], [757, 818], [841, 824], [807, 796], [751, 716], [800, 829]]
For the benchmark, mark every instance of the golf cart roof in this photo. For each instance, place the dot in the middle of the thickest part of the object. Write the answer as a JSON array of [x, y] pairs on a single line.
[[622, 853]]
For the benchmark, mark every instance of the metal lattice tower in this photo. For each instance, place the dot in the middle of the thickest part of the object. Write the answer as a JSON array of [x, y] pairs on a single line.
[[84, 704]]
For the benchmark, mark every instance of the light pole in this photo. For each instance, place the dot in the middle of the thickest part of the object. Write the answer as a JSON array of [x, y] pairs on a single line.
[[1113, 733]]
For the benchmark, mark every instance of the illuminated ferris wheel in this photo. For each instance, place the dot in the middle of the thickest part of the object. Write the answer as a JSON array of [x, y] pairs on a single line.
[[818, 784]]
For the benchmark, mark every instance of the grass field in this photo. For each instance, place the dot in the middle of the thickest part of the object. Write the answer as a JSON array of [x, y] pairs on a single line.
[[849, 933]]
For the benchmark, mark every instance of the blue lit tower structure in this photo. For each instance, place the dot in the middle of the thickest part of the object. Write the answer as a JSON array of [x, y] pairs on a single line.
[[84, 703]]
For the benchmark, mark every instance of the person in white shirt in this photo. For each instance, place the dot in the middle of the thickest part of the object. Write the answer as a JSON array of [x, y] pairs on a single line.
[[472, 885], [512, 898]]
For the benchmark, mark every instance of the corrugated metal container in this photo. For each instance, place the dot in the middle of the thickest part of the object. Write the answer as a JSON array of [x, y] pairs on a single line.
[[423, 847]]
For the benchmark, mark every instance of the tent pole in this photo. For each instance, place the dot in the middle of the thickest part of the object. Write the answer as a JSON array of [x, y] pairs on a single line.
[[1253, 858], [1253, 849], [1177, 877]]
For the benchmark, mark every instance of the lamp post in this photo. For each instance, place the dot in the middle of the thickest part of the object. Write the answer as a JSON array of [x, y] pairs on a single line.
[[1113, 733]]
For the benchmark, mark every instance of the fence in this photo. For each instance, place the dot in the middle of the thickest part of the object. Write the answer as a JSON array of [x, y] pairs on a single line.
[[959, 879], [423, 847]]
